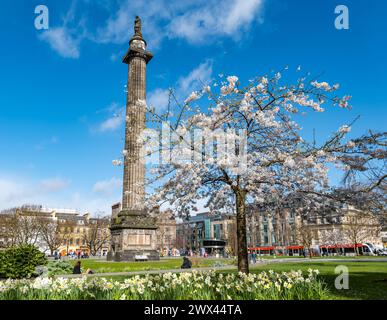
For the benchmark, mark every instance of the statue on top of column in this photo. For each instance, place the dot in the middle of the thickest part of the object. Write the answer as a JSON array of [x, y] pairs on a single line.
[[137, 26]]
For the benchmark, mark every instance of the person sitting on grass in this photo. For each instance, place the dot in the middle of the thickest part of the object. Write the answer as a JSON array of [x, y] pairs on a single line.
[[187, 264], [77, 269]]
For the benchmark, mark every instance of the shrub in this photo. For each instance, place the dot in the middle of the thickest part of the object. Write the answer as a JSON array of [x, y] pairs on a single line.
[[59, 267], [21, 261]]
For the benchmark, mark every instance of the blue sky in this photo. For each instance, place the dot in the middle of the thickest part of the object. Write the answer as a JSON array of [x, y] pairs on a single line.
[[62, 89]]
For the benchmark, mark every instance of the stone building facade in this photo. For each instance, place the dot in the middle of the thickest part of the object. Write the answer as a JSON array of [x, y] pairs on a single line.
[[266, 228], [280, 229], [72, 229], [207, 232], [277, 230], [166, 232]]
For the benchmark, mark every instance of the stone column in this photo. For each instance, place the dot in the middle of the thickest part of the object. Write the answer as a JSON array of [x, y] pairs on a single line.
[[133, 229], [134, 164]]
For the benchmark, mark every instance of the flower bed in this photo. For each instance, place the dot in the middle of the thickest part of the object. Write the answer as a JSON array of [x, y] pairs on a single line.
[[188, 285]]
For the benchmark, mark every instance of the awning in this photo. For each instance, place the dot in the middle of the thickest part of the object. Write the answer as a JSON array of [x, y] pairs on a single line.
[[262, 248], [295, 247]]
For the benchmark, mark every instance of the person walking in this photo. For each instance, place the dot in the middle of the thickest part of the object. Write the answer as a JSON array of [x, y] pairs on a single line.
[[254, 257]]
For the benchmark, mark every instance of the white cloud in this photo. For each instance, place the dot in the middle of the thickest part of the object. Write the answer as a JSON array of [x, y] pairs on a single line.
[[196, 21], [11, 190], [158, 99], [61, 40], [107, 187], [119, 26], [214, 19], [194, 80], [114, 121], [43, 144], [54, 184], [15, 191]]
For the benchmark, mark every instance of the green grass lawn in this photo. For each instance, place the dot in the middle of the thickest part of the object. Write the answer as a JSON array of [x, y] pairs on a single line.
[[102, 266], [367, 280]]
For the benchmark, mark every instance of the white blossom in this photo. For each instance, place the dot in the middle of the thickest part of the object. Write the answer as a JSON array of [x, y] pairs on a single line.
[[117, 163], [344, 129], [193, 96]]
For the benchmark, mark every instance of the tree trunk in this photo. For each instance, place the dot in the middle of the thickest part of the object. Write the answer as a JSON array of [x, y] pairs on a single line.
[[243, 261]]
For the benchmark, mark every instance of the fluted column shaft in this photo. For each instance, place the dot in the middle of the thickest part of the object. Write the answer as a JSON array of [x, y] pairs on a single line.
[[134, 165]]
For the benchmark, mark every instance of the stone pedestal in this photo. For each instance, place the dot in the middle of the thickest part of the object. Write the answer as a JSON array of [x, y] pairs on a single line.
[[133, 234]]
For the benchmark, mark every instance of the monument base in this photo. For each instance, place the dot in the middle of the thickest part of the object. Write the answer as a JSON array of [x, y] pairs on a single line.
[[134, 255], [133, 237]]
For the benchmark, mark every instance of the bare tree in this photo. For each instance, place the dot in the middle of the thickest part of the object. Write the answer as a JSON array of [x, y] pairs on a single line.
[[359, 226], [304, 235], [66, 229], [24, 228], [97, 234], [20, 225], [8, 230], [161, 236], [50, 232], [333, 237]]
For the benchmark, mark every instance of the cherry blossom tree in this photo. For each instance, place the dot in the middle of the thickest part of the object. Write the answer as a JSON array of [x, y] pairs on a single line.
[[305, 236], [359, 226], [242, 145], [365, 183]]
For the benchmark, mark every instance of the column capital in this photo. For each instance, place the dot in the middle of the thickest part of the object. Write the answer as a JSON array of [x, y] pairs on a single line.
[[137, 52]]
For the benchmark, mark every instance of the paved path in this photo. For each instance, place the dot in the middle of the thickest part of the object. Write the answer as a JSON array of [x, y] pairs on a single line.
[[229, 267], [133, 273]]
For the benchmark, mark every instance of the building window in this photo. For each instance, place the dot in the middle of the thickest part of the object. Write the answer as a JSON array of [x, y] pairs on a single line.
[[77, 242]]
